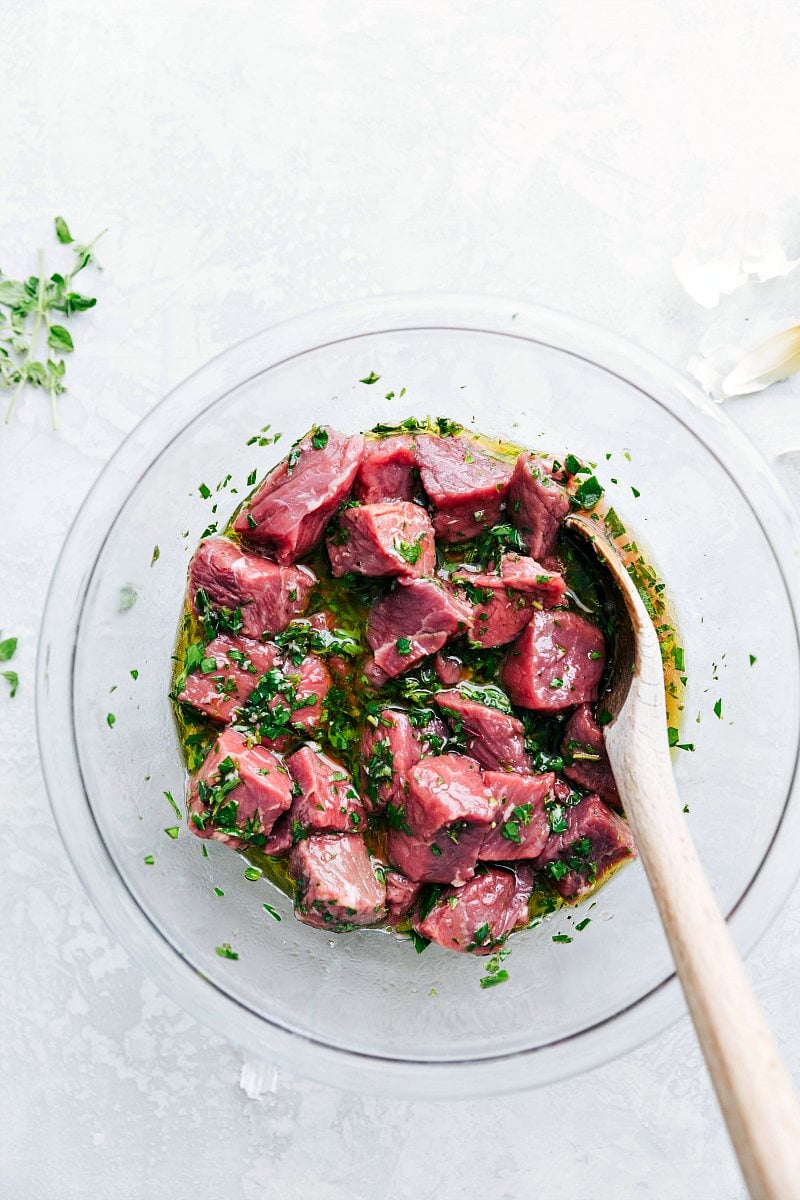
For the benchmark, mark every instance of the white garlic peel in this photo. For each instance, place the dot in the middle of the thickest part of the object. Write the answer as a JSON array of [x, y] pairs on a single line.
[[773, 360]]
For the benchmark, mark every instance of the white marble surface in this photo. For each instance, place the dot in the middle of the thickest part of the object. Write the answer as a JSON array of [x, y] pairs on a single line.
[[253, 159]]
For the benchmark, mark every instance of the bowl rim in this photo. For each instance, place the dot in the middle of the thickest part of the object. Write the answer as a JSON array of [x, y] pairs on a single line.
[[261, 1036]]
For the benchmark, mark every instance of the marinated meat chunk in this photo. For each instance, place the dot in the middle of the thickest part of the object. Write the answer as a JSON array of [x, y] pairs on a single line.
[[494, 738], [228, 672], [383, 539], [466, 486], [537, 503], [450, 857], [448, 669], [387, 470], [401, 895], [289, 512], [556, 662], [256, 596], [280, 840], [388, 751], [504, 601], [595, 842], [521, 827], [411, 621], [239, 792], [337, 884], [288, 699], [478, 916], [326, 799], [585, 756], [446, 788]]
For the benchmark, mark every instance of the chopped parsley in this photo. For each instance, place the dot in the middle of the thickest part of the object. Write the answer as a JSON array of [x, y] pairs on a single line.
[[111, 720], [225, 951], [319, 439], [371, 378], [403, 646]]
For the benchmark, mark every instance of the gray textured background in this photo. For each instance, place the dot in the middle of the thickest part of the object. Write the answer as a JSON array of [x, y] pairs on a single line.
[[253, 160]]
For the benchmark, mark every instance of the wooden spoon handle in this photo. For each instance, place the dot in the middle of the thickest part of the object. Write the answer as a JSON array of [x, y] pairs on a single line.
[[754, 1089]]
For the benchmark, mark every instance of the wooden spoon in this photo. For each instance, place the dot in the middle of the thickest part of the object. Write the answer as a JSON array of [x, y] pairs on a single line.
[[753, 1087]]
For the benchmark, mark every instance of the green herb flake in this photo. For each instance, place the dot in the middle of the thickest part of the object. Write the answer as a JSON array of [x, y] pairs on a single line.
[[272, 911], [225, 951], [403, 646], [636, 492], [753, 660], [253, 874], [218, 891], [172, 832], [149, 860], [371, 378], [319, 439], [12, 679], [8, 649], [251, 478], [582, 924], [487, 981], [718, 710], [111, 720], [564, 938], [156, 556], [173, 805], [204, 490], [589, 493], [134, 674]]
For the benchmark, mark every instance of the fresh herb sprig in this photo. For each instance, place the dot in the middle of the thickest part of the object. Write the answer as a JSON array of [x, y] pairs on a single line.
[[8, 648], [27, 308]]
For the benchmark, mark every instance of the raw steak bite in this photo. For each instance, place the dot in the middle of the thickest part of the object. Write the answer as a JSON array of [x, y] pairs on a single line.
[[443, 789], [596, 840], [255, 596], [387, 470], [229, 670], [466, 487], [411, 621], [280, 841], [537, 504], [326, 800], [401, 895], [585, 756], [286, 700], [556, 662], [289, 512], [494, 738], [521, 828], [239, 792], [448, 669], [450, 857], [478, 916], [388, 751], [337, 886], [504, 601], [383, 539]]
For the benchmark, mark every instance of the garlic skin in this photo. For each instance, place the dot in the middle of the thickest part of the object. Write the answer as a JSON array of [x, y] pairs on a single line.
[[773, 360]]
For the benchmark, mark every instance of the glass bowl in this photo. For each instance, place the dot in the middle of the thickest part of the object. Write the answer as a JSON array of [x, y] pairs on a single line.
[[362, 1010]]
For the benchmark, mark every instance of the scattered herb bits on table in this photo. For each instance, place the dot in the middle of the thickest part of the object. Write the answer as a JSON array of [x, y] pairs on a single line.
[[386, 686]]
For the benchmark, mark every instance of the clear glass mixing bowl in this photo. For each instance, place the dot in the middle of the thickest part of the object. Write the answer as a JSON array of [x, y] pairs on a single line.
[[363, 1010]]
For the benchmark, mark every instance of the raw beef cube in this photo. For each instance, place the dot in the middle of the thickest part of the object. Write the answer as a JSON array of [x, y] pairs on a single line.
[[521, 828], [230, 669], [537, 503], [450, 857], [337, 884], [448, 669], [556, 662], [446, 788], [585, 755], [595, 842], [504, 601], [388, 751], [326, 800], [387, 470], [494, 738], [478, 916], [255, 596], [239, 792], [401, 895], [411, 621], [280, 841], [467, 487], [286, 700], [289, 512], [383, 539]]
